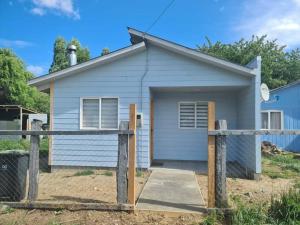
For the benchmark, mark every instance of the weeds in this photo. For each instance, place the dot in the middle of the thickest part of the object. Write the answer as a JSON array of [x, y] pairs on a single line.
[[107, 173], [286, 208], [281, 166], [213, 219], [139, 173], [84, 173], [22, 144]]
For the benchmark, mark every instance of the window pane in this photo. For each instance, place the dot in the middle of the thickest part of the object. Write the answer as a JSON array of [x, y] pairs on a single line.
[[201, 114], [109, 113], [264, 120], [275, 120], [90, 113], [187, 115]]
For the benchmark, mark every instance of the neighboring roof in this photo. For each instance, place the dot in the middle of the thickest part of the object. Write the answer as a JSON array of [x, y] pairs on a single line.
[[39, 81], [286, 86], [24, 110], [139, 36]]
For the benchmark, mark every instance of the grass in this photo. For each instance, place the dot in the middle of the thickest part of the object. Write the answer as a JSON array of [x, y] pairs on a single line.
[[108, 173], [84, 173], [139, 173], [281, 166], [213, 219]]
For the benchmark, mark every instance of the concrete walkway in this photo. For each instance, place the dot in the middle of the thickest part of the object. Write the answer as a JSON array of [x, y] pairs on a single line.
[[171, 190]]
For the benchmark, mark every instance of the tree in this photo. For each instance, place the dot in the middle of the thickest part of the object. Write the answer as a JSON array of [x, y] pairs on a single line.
[[60, 54], [278, 67], [13, 82], [83, 54], [60, 59], [105, 51]]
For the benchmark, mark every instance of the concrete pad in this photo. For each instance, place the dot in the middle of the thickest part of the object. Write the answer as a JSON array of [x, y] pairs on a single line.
[[171, 190]]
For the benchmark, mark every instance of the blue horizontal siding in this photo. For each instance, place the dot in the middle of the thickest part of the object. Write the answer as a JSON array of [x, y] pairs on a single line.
[[289, 103], [122, 78]]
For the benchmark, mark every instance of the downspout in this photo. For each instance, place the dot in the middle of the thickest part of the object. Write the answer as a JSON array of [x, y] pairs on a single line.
[[141, 92]]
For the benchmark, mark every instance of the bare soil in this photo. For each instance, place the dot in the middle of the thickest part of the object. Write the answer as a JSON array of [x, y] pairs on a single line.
[[23, 217], [250, 190], [66, 186]]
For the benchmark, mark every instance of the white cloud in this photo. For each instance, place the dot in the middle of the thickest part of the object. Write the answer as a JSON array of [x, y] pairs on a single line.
[[36, 70], [38, 11], [280, 20], [64, 7], [14, 43]]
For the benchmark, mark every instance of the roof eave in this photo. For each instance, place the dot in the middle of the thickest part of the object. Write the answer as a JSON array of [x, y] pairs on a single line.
[[137, 36], [42, 81]]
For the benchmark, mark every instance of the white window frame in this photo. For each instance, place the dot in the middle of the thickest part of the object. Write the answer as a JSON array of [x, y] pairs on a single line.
[[195, 105], [100, 103], [269, 118]]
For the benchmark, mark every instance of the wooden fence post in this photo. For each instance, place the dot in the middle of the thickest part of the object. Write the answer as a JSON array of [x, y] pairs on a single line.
[[221, 193], [36, 125], [211, 166], [122, 183], [132, 155]]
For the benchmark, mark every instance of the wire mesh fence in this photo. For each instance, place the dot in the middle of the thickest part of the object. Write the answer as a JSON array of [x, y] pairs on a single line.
[[71, 168]]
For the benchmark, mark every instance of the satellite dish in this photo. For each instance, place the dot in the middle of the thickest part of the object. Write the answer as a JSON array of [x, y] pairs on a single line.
[[264, 92]]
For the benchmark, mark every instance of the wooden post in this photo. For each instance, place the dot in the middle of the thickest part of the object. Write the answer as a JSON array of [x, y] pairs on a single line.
[[34, 161], [122, 184], [132, 155], [221, 193], [211, 166]]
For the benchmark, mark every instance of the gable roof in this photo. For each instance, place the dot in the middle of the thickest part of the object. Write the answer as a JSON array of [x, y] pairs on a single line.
[[43, 81], [139, 36], [286, 86], [138, 40]]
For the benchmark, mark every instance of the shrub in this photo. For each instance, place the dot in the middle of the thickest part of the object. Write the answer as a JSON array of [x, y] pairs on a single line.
[[14, 145]]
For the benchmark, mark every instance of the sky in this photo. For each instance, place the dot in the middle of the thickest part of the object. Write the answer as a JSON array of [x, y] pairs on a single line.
[[29, 27]]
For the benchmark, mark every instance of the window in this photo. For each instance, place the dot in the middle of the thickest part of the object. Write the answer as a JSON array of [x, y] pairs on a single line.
[[272, 119], [192, 115], [99, 113]]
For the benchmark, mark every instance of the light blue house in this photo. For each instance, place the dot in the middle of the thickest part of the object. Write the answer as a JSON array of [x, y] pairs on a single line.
[[178, 80], [282, 111]]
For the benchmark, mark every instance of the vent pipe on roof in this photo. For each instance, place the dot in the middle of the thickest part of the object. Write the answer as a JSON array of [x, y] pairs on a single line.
[[72, 55]]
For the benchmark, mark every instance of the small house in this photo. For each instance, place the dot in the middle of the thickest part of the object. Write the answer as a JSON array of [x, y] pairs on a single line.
[[282, 111], [171, 85]]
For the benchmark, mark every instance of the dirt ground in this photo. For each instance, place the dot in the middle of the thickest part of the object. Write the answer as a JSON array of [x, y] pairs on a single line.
[[250, 190], [23, 217], [67, 186]]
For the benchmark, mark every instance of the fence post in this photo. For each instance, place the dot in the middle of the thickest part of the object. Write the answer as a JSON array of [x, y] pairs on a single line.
[[122, 183], [132, 153], [36, 125], [211, 166], [221, 193]]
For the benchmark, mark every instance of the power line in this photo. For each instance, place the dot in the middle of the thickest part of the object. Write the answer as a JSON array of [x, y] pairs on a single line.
[[160, 15]]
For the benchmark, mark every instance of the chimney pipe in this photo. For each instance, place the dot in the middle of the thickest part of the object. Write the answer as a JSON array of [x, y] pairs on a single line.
[[72, 55]]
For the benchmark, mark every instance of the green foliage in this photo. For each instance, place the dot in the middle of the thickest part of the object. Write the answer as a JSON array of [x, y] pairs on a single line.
[[107, 173], [105, 51], [14, 145], [60, 59], [13, 84], [278, 67], [249, 214], [139, 173], [84, 173], [213, 218], [22, 144], [286, 209], [83, 54], [60, 54], [281, 166]]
